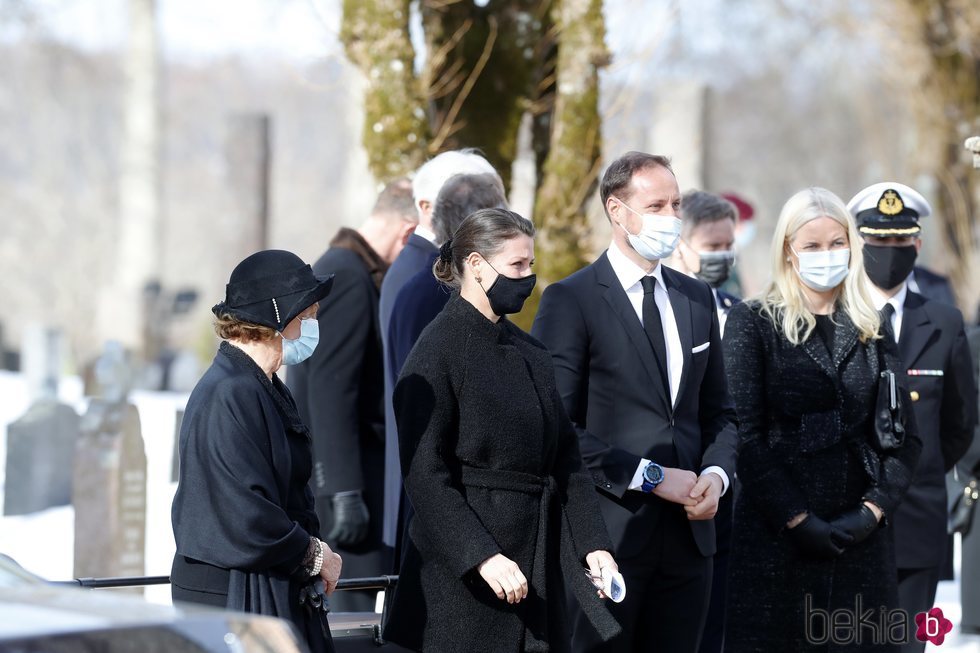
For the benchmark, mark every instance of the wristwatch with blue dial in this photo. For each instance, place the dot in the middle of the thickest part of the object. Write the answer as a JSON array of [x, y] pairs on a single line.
[[653, 475]]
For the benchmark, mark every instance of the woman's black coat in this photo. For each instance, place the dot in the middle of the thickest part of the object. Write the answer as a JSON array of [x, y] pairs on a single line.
[[491, 465], [243, 500], [805, 431]]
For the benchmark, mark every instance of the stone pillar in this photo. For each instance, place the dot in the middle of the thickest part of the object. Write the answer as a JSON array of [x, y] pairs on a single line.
[[679, 131]]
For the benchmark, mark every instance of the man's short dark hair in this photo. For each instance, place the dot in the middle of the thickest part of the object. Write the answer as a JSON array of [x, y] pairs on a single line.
[[620, 172], [462, 195], [700, 207], [396, 199]]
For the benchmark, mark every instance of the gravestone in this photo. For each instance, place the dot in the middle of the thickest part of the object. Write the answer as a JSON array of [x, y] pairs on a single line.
[[41, 443], [110, 478]]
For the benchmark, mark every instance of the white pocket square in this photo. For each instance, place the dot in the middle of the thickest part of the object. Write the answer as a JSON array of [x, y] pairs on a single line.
[[700, 348]]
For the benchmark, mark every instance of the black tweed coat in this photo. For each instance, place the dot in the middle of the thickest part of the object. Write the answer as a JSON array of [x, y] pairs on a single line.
[[805, 428], [491, 465]]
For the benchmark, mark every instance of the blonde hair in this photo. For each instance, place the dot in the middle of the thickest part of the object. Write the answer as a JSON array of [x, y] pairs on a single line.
[[783, 299]]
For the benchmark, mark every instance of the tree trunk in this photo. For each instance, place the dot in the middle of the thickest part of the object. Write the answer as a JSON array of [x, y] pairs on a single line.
[[479, 73], [572, 164], [950, 112], [396, 130], [138, 255]]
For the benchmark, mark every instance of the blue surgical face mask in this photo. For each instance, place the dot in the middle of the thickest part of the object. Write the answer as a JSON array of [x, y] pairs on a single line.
[[824, 270], [298, 350], [658, 234]]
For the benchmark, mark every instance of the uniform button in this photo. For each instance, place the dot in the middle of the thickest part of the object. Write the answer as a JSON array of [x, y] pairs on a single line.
[[914, 395], [608, 486]]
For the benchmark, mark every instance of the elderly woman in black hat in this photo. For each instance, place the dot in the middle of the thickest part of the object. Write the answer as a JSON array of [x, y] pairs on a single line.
[[243, 516]]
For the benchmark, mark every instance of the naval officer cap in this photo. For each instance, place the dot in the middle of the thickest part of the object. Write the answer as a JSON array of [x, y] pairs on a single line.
[[888, 209]]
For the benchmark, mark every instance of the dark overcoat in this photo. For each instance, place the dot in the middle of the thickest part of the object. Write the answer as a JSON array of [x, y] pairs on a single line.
[[421, 299], [415, 257], [243, 500], [805, 427], [339, 393], [491, 465], [936, 357]]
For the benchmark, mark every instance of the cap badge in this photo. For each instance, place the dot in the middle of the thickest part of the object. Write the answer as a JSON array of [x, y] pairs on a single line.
[[890, 203]]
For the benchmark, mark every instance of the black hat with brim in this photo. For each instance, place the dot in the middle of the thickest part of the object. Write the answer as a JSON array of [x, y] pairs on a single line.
[[270, 288]]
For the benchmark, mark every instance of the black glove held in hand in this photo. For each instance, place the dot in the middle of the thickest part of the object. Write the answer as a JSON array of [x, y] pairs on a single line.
[[818, 539], [858, 523], [350, 519]]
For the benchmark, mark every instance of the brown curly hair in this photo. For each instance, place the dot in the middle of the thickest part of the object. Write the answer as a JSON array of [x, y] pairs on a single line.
[[231, 328]]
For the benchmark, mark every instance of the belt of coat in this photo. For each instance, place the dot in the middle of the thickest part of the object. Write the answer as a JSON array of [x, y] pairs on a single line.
[[535, 634]]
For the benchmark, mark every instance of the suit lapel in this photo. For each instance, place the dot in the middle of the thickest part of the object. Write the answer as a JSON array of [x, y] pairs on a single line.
[[614, 294], [845, 339], [816, 350], [917, 330], [681, 307]]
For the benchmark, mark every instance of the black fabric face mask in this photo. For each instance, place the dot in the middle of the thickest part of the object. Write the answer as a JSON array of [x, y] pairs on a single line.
[[716, 267], [888, 267], [506, 295]]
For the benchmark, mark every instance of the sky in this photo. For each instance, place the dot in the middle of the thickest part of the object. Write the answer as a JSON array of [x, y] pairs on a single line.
[[307, 30], [197, 29]]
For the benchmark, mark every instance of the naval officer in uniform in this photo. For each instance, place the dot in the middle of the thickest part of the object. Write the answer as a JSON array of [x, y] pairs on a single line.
[[934, 350]]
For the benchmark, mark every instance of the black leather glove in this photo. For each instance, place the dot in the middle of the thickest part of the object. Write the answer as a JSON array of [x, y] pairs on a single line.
[[819, 539], [350, 519], [858, 523]]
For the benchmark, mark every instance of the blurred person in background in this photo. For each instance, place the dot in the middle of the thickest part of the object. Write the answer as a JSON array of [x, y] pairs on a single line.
[[746, 227], [505, 513], [706, 250], [968, 471], [414, 258], [339, 389], [935, 357], [243, 515], [424, 296], [803, 365]]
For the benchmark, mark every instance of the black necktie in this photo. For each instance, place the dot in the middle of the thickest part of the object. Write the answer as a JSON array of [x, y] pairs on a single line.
[[654, 327], [887, 311]]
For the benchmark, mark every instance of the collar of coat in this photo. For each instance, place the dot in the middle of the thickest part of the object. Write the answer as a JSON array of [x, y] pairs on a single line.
[[469, 315], [376, 266], [280, 395], [845, 339]]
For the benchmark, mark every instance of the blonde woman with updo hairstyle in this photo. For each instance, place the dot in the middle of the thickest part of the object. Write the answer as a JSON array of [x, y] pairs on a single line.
[[803, 362]]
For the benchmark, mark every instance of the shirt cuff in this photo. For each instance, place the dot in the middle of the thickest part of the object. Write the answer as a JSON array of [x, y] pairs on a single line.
[[637, 482], [720, 472]]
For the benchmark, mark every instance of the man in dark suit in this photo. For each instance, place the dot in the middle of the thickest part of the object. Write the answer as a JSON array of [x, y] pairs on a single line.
[[423, 297], [638, 362], [338, 390], [707, 251], [934, 350], [421, 246]]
